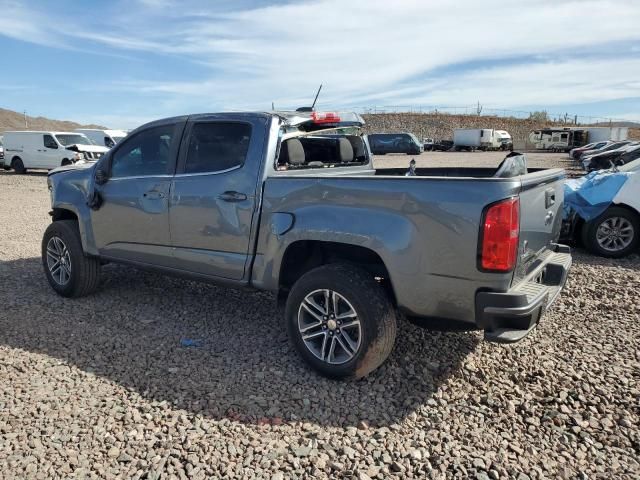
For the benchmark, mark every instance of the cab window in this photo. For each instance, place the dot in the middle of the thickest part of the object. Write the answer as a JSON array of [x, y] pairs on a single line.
[[145, 154], [217, 146]]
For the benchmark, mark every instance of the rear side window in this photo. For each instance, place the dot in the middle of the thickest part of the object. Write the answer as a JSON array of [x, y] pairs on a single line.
[[144, 154], [217, 146]]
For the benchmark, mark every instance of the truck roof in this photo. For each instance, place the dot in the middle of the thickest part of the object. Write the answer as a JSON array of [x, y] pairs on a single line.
[[290, 118]]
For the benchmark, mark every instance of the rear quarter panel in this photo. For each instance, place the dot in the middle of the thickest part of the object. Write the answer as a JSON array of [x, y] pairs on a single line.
[[425, 231]]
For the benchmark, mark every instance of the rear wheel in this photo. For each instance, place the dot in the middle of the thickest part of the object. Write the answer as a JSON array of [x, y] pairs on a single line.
[[341, 321], [18, 166], [69, 271], [614, 234]]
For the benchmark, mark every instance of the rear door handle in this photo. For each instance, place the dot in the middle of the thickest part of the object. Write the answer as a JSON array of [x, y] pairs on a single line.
[[153, 195], [232, 197]]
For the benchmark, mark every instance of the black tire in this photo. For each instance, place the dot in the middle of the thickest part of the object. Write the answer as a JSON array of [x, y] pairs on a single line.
[[374, 310], [590, 229], [18, 166], [84, 276]]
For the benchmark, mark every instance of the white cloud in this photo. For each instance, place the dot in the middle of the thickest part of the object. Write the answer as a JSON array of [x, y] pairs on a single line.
[[371, 51]]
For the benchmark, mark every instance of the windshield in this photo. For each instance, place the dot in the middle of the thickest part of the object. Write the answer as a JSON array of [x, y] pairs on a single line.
[[415, 139], [73, 139], [117, 139]]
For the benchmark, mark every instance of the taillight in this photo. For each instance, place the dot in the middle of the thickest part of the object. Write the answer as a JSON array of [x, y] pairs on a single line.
[[500, 236], [325, 117]]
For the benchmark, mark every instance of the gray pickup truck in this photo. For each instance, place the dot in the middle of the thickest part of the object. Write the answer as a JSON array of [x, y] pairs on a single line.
[[290, 202]]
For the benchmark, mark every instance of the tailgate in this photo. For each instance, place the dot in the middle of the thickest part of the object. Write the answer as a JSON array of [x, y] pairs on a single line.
[[541, 199]]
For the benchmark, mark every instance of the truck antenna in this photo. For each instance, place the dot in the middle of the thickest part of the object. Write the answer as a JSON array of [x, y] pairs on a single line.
[[316, 99], [310, 109]]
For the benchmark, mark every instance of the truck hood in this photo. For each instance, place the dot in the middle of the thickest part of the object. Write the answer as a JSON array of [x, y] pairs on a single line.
[[87, 148], [79, 165]]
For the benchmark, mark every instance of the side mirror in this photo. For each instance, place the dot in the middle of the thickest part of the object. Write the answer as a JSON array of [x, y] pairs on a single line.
[[101, 176]]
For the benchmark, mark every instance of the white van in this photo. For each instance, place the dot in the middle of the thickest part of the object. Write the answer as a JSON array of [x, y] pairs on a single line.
[[48, 150], [104, 138]]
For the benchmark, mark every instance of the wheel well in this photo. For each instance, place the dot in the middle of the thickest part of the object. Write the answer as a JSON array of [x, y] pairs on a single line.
[[581, 223], [15, 158], [63, 214], [305, 255], [628, 207]]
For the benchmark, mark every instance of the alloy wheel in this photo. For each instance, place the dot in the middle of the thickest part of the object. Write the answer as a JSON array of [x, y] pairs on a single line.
[[615, 234], [329, 326], [58, 261]]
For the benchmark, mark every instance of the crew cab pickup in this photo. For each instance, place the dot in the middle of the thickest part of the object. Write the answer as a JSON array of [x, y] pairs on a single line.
[[290, 202]]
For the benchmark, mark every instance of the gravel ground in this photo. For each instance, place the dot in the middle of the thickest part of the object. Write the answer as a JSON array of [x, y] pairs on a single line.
[[102, 387]]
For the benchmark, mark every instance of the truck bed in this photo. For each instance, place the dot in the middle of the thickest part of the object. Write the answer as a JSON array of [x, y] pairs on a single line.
[[425, 228]]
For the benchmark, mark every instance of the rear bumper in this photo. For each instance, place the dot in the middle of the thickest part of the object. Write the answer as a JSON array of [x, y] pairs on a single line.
[[509, 317]]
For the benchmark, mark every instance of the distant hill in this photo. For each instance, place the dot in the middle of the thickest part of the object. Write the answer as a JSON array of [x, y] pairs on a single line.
[[10, 120], [618, 124]]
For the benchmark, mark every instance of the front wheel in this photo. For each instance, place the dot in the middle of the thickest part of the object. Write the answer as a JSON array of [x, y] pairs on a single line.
[[18, 166], [69, 271], [614, 234], [341, 321]]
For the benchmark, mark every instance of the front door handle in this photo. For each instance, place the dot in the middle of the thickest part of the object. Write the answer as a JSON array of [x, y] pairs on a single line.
[[232, 197]]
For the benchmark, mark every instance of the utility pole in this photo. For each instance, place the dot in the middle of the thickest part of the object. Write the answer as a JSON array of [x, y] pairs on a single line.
[[26, 125]]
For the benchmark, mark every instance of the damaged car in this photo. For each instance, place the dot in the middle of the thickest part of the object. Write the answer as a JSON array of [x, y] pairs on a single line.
[[613, 158], [602, 210]]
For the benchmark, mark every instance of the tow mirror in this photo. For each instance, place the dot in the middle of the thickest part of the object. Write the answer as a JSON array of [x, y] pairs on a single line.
[[101, 176]]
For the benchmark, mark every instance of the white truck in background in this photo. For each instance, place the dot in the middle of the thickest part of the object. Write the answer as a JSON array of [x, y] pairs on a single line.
[[104, 138], [481, 139], [601, 134]]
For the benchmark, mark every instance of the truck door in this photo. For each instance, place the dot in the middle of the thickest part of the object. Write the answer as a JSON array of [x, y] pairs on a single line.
[[132, 222], [215, 194]]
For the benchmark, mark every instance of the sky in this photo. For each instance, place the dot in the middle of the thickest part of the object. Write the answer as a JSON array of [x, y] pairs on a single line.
[[122, 63]]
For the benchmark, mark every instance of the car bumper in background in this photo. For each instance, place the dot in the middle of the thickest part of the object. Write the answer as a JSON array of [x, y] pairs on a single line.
[[509, 317]]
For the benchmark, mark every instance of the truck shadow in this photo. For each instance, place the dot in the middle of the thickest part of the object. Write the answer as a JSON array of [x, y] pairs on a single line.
[[214, 352]]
